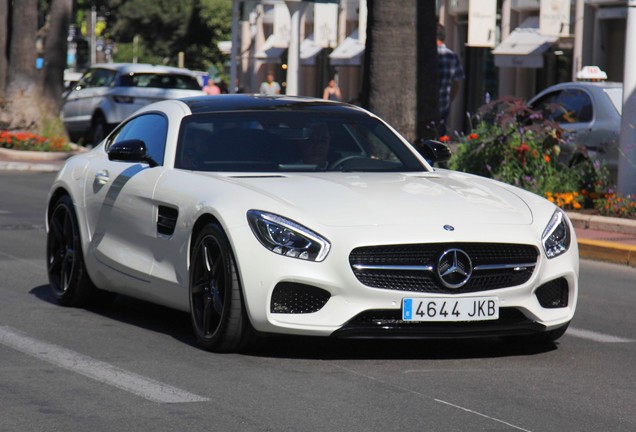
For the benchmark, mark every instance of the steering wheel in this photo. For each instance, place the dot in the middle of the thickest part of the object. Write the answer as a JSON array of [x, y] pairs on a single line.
[[340, 162]]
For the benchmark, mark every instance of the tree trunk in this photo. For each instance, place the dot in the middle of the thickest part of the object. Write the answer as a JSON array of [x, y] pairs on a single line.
[[4, 37], [21, 109], [400, 84], [427, 71], [55, 51]]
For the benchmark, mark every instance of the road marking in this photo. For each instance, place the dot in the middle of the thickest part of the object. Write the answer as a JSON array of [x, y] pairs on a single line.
[[420, 394], [595, 336], [95, 369], [480, 414]]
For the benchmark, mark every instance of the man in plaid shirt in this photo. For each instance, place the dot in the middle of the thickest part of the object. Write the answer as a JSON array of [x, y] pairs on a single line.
[[450, 75]]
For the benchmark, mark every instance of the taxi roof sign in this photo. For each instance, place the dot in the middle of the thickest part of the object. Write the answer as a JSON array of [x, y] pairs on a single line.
[[591, 73]]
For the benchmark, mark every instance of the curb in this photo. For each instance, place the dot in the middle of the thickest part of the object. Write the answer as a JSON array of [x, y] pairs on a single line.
[[603, 250], [599, 250]]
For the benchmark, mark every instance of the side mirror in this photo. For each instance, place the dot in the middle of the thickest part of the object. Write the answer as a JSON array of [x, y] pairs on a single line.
[[433, 151], [133, 150]]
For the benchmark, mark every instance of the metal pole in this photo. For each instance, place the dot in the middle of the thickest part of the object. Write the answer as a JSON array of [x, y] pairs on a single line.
[[627, 153]]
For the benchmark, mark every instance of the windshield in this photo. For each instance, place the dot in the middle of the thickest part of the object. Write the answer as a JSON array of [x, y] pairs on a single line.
[[288, 141], [160, 80], [616, 96]]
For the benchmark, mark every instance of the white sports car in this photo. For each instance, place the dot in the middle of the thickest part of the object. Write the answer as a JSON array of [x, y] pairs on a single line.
[[294, 215]]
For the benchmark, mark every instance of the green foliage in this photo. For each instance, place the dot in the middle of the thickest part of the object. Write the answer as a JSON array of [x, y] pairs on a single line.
[[516, 145], [165, 28]]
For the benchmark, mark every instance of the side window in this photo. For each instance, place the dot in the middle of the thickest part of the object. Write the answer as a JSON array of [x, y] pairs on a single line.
[[577, 106], [150, 128], [548, 106], [97, 78]]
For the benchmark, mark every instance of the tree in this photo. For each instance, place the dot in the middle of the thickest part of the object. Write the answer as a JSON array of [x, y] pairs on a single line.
[[401, 80], [166, 27], [4, 32], [55, 51], [32, 98], [21, 106]]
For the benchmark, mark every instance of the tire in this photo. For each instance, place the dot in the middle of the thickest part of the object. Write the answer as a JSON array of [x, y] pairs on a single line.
[[67, 274], [219, 319], [99, 129]]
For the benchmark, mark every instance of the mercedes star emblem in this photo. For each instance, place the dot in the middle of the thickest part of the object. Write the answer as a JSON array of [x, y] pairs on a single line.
[[454, 268]]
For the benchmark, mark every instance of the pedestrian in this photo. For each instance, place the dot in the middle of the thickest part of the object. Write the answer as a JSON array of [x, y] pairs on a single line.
[[211, 88], [270, 87], [451, 75], [332, 91]]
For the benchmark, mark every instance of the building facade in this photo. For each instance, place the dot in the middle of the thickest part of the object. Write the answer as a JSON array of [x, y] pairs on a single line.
[[507, 47]]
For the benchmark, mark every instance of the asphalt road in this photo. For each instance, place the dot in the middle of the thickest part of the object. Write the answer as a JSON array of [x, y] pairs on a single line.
[[134, 366]]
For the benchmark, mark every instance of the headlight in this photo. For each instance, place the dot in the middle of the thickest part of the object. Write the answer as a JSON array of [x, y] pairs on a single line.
[[286, 237], [556, 237]]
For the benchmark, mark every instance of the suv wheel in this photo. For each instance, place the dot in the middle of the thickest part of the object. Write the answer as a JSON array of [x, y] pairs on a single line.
[[99, 129]]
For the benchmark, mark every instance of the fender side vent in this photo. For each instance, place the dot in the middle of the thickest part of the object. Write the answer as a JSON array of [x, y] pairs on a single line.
[[167, 220]]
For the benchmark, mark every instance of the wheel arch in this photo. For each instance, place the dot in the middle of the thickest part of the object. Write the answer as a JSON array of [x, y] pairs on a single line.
[[54, 198], [201, 222]]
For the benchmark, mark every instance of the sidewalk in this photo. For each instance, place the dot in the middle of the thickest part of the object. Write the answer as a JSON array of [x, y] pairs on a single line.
[[599, 238]]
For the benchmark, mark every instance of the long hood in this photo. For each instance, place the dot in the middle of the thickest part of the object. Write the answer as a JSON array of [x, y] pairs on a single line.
[[355, 199]]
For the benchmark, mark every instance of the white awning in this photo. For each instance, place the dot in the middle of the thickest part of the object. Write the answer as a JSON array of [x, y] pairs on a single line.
[[349, 52], [524, 47], [272, 50], [308, 51]]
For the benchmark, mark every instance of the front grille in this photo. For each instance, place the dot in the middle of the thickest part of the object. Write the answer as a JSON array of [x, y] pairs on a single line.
[[553, 294], [413, 268], [388, 323], [295, 298]]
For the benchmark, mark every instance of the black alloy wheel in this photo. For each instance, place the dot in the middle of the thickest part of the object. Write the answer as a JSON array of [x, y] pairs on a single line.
[[68, 278], [216, 305]]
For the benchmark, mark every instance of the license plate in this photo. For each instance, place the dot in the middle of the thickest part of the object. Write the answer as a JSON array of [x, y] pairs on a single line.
[[450, 309]]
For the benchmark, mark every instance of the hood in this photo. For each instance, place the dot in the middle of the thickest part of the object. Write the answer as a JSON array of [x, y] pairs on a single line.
[[355, 199]]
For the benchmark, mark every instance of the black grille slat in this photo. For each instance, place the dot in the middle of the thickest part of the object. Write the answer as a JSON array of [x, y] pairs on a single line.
[[426, 255]]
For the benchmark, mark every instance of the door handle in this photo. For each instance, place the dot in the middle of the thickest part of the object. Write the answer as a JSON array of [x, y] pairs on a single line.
[[102, 177]]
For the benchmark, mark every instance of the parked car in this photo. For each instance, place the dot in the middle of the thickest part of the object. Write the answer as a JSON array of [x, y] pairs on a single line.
[[108, 93], [592, 112], [265, 214]]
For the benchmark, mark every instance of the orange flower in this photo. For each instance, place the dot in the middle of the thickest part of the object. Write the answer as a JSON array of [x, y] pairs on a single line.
[[473, 136], [546, 158], [444, 138]]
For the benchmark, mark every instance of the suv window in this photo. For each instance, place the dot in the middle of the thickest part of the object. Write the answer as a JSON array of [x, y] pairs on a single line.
[[156, 80], [97, 78], [150, 128], [567, 106]]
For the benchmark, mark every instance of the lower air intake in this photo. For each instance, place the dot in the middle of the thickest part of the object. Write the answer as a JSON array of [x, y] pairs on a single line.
[[295, 298], [553, 294]]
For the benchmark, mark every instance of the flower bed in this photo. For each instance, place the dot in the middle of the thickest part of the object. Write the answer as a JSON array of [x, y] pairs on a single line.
[[516, 145], [27, 141]]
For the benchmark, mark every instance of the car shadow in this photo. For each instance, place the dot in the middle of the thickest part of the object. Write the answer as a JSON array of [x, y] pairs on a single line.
[[177, 325]]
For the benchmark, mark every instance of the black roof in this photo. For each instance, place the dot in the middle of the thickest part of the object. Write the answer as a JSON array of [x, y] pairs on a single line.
[[251, 102]]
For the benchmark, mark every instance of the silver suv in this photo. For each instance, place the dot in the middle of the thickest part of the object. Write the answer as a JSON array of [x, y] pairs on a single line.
[[108, 93]]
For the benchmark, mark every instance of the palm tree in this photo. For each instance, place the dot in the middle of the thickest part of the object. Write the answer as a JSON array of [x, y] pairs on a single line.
[[401, 64]]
